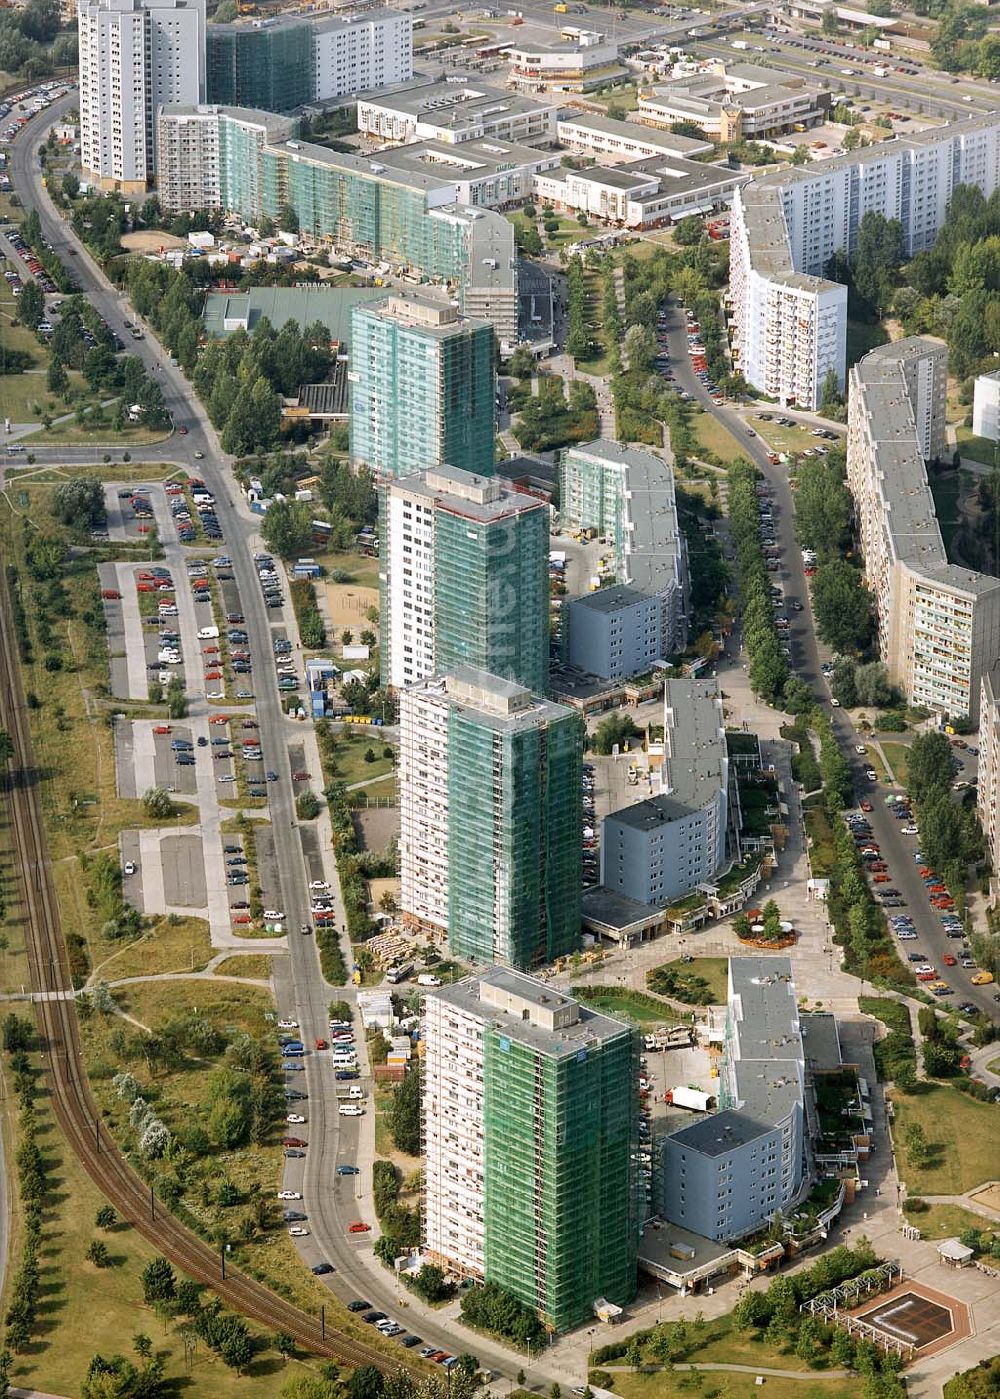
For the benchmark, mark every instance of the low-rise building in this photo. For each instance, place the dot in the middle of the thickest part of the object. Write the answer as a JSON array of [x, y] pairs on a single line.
[[612, 142], [626, 494], [938, 622], [742, 103], [579, 61], [660, 849], [989, 767], [226, 312], [641, 194], [452, 113], [730, 1173], [486, 174], [986, 406]]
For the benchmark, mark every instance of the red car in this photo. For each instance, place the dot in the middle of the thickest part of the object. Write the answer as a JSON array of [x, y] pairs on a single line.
[[358, 1227], [161, 729], [145, 587], [949, 960], [321, 1044], [866, 806], [881, 879], [213, 674], [300, 777], [241, 918], [218, 718], [293, 1141], [112, 594]]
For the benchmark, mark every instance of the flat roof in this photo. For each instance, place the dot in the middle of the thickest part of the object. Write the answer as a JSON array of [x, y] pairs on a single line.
[[502, 705], [608, 908], [429, 315], [272, 122], [588, 1028], [696, 753], [634, 131], [485, 499], [453, 105], [765, 1044], [820, 1039], [333, 306], [464, 160], [371, 167], [909, 515], [616, 598], [720, 1132], [321, 22]]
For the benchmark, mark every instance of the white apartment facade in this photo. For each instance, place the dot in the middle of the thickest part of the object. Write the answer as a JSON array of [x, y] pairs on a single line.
[[454, 1137], [135, 56], [938, 623], [423, 803], [454, 113], [986, 406], [357, 52], [989, 768], [789, 224]]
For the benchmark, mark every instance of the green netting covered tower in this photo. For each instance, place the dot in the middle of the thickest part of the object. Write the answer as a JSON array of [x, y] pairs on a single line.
[[560, 1204]]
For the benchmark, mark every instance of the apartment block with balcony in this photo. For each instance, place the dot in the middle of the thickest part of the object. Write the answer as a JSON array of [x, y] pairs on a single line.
[[490, 818], [210, 156], [529, 1115], [135, 56], [989, 769], [787, 226], [938, 623]]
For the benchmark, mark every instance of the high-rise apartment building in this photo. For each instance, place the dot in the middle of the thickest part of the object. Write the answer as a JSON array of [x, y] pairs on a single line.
[[463, 578], [423, 388], [789, 321], [530, 1115], [490, 817], [989, 767], [279, 64], [209, 157], [938, 623], [135, 56]]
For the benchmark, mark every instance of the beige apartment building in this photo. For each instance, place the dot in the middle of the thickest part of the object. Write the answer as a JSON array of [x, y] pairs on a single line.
[[938, 623], [989, 769]]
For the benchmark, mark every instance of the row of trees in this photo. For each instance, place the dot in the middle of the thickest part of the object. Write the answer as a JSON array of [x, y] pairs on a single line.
[[949, 833], [768, 669], [21, 1318]]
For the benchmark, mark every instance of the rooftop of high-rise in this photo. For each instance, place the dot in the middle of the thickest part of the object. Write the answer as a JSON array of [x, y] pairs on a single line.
[[531, 1012]]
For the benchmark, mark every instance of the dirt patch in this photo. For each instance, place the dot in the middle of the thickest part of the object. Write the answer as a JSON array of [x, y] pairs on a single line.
[[378, 887], [988, 1198], [150, 241], [348, 604], [376, 826]]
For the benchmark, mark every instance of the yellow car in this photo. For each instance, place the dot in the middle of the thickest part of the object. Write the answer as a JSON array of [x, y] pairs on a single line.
[[982, 979]]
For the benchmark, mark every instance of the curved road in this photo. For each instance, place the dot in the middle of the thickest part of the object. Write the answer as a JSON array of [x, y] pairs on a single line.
[[897, 850]]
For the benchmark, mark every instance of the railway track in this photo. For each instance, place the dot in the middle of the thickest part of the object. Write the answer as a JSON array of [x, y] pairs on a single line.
[[73, 1102]]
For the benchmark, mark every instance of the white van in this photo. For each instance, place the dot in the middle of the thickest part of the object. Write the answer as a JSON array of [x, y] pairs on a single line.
[[351, 1110], [207, 633]]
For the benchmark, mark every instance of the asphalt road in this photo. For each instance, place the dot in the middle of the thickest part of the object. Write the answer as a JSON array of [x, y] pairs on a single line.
[[897, 849]]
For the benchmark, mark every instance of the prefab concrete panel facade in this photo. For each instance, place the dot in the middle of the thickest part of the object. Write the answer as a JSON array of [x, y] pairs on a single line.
[[561, 1204]]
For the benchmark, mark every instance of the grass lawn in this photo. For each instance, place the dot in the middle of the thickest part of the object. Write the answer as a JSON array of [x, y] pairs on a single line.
[[946, 1221], [713, 437], [960, 1133], [351, 749], [897, 755], [103, 471], [13, 962], [634, 1006], [101, 435], [809, 1385], [862, 337], [714, 970], [976, 448], [86, 1309], [171, 945], [254, 964], [791, 440], [381, 793], [24, 397], [822, 847], [363, 571], [623, 95]]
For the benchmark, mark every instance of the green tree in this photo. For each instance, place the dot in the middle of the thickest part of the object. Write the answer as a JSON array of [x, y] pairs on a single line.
[[878, 255], [822, 504], [56, 378], [842, 606], [142, 1345], [7, 749], [97, 1253], [105, 1218], [157, 803], [929, 765], [159, 1283], [287, 528], [403, 1116], [31, 305], [79, 503], [616, 729], [365, 1383]]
